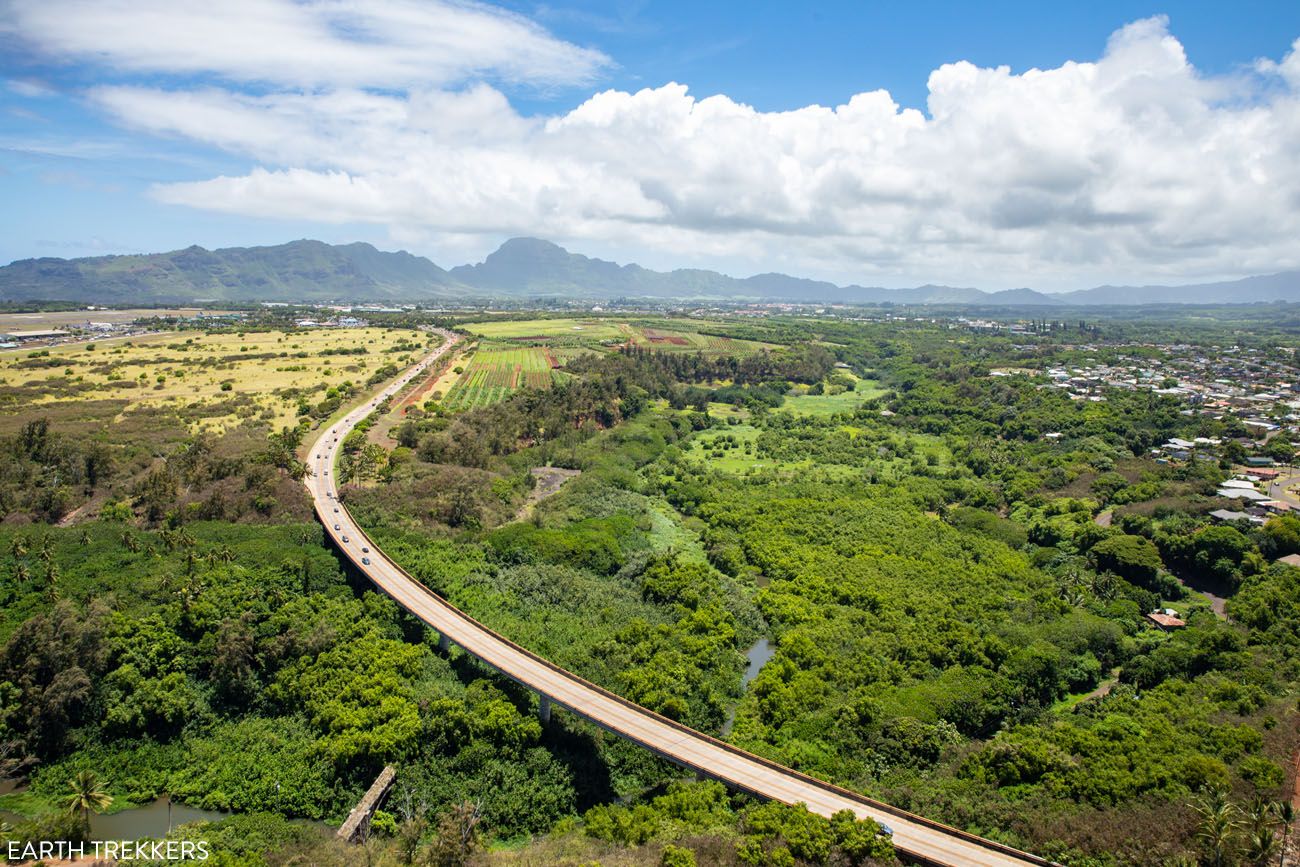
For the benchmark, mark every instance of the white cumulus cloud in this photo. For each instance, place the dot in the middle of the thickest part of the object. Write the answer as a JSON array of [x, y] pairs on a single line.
[[1131, 167]]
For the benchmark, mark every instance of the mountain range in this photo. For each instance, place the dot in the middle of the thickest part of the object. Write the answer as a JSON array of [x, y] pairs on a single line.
[[313, 271]]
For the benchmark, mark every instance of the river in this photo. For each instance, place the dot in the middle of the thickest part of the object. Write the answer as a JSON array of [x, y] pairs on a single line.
[[756, 657]]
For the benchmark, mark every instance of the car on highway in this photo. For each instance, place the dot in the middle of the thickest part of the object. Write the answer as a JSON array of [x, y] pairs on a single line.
[[365, 561], [365, 550], [345, 540], [885, 829], [336, 527]]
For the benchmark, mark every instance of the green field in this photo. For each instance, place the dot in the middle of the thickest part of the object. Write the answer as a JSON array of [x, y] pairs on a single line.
[[495, 372], [569, 331], [829, 404], [660, 335]]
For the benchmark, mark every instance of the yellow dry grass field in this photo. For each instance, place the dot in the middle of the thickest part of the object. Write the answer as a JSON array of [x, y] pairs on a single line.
[[213, 380]]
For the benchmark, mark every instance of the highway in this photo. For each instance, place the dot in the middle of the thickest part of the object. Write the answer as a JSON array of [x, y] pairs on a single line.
[[916, 838]]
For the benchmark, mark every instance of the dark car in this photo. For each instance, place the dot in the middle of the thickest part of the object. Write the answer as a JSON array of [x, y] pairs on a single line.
[[365, 561]]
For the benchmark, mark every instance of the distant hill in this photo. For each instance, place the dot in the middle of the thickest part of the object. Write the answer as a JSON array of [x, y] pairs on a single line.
[[1270, 287], [298, 271], [312, 271]]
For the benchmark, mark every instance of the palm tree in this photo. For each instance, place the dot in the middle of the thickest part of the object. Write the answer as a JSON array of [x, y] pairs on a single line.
[[1261, 841], [86, 794], [1285, 814], [1217, 830], [18, 546], [21, 573], [46, 554]]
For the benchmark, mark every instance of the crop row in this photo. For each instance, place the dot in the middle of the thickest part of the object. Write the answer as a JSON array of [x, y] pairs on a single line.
[[494, 373]]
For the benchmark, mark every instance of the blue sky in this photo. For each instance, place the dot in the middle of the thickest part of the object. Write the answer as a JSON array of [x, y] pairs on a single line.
[[95, 159]]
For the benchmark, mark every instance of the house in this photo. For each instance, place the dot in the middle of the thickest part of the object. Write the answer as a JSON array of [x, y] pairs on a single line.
[[1259, 462], [1242, 494], [1166, 619], [1228, 515], [1239, 483]]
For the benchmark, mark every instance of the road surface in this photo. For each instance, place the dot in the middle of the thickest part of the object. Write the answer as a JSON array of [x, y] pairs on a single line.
[[916, 838], [1281, 489]]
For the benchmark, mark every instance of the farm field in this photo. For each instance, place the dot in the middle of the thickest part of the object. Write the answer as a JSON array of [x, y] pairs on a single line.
[[673, 340], [495, 371], [210, 381], [552, 331], [664, 336]]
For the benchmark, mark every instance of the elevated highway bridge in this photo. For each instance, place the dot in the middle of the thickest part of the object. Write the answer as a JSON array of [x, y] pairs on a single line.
[[916, 838]]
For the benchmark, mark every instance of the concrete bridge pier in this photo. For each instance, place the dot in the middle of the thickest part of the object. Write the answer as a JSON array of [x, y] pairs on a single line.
[[444, 643], [543, 708], [357, 825]]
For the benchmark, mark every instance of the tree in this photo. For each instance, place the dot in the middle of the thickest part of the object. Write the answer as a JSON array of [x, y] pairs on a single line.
[[409, 834], [1285, 815], [1261, 841], [1217, 828], [87, 794], [458, 836], [1280, 449], [1284, 533], [676, 856], [1134, 558]]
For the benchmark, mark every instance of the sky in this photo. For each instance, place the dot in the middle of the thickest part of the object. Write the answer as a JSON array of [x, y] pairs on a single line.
[[997, 145]]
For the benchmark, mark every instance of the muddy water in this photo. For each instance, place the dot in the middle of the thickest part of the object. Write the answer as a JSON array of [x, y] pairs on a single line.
[[147, 821], [757, 657]]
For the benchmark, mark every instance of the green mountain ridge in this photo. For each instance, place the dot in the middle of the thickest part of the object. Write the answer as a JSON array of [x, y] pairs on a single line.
[[313, 271], [297, 271]]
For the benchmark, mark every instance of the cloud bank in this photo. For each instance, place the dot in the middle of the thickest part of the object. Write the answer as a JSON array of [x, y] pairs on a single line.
[[1133, 166]]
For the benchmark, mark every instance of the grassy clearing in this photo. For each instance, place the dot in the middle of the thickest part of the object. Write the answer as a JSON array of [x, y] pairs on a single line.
[[212, 381], [829, 404], [733, 450]]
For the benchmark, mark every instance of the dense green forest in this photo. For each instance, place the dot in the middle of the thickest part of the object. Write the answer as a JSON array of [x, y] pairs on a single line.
[[956, 628]]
